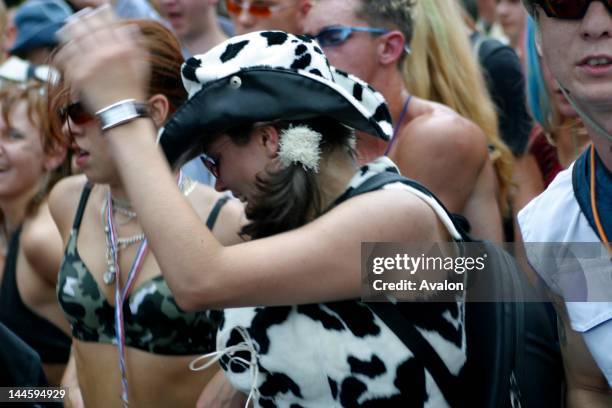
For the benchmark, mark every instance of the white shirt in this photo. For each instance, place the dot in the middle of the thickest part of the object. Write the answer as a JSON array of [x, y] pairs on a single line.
[[555, 217]]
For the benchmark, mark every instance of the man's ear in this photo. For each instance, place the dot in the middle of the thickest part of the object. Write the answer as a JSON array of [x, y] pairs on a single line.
[[269, 138], [303, 7], [390, 47], [159, 108]]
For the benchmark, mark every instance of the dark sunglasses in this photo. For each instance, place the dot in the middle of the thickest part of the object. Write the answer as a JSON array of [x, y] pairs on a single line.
[[568, 9], [336, 35], [256, 8], [211, 163], [77, 113]]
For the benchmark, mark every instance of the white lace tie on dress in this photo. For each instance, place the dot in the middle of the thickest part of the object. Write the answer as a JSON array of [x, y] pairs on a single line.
[[246, 345]]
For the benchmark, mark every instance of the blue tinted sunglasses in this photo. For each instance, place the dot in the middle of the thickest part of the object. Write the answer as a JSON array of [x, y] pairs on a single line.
[[335, 35]]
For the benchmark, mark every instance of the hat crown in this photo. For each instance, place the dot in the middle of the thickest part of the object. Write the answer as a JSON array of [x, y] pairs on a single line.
[[41, 12], [37, 21], [268, 76], [261, 49]]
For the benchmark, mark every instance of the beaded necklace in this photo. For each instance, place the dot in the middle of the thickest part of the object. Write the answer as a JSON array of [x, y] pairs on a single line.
[[111, 275]]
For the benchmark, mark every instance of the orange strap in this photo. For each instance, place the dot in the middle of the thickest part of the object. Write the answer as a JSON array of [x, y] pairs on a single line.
[[600, 230]]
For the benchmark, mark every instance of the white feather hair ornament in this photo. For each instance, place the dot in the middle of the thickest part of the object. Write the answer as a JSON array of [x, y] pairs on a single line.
[[300, 145]]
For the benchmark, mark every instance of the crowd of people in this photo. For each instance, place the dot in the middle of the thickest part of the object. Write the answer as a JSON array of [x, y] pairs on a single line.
[[322, 125]]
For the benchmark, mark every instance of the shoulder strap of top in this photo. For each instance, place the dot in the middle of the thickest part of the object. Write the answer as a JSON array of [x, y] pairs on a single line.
[[81, 209], [214, 213]]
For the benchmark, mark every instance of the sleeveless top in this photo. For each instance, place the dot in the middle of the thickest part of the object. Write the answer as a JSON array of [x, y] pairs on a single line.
[[338, 353], [555, 216], [153, 321], [48, 340]]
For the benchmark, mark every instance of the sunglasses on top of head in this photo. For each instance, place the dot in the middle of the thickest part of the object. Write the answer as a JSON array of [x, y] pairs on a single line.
[[568, 9], [335, 35], [256, 8], [77, 114]]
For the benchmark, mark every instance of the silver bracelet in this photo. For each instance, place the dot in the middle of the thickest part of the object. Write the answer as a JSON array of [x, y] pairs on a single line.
[[122, 112]]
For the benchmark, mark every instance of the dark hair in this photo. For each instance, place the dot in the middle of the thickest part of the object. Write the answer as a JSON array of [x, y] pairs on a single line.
[[288, 197], [165, 58]]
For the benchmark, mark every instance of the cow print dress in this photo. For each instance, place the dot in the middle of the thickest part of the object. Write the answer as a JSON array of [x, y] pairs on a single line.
[[338, 354]]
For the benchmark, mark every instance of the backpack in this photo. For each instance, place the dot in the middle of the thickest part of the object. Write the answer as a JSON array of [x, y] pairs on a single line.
[[494, 330]]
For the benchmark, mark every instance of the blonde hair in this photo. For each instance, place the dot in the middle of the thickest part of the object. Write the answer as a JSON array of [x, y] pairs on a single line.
[[443, 68]]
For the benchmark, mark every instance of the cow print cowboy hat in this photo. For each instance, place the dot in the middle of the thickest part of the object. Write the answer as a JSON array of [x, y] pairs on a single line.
[[265, 76]]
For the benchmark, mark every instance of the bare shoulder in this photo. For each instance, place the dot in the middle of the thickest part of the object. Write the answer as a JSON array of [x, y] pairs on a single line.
[[42, 243], [64, 200], [442, 131], [437, 146], [228, 218], [203, 198], [230, 221]]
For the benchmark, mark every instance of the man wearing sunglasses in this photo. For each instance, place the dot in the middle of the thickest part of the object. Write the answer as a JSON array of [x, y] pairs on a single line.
[[576, 42], [431, 143], [255, 15]]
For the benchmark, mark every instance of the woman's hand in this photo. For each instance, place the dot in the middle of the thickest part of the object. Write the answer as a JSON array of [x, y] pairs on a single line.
[[101, 58]]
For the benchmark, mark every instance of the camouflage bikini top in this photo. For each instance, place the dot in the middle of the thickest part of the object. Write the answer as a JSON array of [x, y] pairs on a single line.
[[153, 321]]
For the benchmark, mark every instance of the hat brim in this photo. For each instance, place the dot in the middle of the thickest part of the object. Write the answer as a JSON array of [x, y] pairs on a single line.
[[263, 94], [45, 37]]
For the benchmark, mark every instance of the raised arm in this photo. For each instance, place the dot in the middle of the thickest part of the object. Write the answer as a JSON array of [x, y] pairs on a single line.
[[318, 262], [315, 263]]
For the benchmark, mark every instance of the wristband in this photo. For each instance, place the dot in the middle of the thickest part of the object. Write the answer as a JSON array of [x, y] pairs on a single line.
[[121, 112]]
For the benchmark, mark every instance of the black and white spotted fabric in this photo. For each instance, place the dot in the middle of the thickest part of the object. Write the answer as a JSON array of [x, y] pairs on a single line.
[[269, 75], [281, 51], [338, 354]]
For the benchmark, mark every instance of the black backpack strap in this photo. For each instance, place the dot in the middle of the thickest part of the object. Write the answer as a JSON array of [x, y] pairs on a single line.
[[214, 213], [448, 384], [392, 317], [513, 312]]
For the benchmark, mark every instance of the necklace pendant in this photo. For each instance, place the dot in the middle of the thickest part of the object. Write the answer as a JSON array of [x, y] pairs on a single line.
[[109, 277]]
